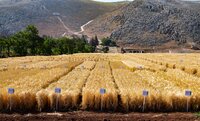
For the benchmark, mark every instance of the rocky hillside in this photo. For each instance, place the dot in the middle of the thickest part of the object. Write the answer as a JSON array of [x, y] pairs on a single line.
[[52, 17], [151, 23]]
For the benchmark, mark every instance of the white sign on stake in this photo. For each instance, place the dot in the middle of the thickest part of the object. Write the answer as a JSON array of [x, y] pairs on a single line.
[[145, 93], [188, 93], [11, 90], [102, 91], [57, 90]]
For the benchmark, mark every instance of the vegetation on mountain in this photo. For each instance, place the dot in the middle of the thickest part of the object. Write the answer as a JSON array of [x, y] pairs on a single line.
[[108, 42], [94, 41], [28, 42]]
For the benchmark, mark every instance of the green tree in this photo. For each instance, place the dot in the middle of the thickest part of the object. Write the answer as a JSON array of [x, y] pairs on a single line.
[[48, 45], [69, 46], [88, 48], [2, 46], [28, 42], [56, 51], [65, 45], [20, 45], [113, 43], [105, 49], [84, 38], [59, 47], [8, 44], [94, 42], [80, 45], [31, 34], [106, 41]]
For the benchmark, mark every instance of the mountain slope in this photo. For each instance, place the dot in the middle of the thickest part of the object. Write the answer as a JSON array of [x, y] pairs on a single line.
[[50, 16], [151, 23]]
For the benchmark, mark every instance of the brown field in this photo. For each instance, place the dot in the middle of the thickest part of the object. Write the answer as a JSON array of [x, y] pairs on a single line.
[[81, 76], [100, 116]]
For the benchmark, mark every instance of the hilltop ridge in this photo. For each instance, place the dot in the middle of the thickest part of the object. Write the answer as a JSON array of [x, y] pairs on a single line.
[[17, 14], [151, 23]]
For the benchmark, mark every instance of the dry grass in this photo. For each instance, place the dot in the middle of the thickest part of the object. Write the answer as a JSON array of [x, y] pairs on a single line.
[[185, 62], [133, 65], [100, 77], [141, 63], [71, 86], [27, 84], [41, 79], [8, 77], [166, 89], [124, 76]]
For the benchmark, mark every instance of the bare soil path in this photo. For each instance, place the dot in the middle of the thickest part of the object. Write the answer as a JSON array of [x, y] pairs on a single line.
[[98, 116]]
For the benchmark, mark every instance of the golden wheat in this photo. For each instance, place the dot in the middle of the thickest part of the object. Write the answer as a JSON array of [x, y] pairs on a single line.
[[123, 76], [71, 86], [100, 77]]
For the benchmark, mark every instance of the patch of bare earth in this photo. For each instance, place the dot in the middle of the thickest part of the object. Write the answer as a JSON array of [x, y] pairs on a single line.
[[98, 116]]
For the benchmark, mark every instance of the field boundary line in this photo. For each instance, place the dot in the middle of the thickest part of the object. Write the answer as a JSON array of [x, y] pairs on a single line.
[[56, 79]]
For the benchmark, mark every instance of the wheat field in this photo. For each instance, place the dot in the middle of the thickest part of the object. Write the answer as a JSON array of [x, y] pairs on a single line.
[[101, 82]]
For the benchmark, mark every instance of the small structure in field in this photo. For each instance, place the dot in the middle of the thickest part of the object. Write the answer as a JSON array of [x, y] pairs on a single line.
[[136, 50]]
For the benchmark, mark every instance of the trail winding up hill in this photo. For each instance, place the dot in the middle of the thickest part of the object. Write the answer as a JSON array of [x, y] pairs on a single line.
[[17, 14]]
